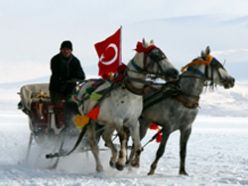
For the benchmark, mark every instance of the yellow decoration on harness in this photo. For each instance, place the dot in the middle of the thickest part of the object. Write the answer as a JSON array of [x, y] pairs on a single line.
[[80, 121]]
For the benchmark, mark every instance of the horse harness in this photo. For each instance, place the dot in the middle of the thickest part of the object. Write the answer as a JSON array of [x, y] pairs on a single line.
[[212, 62], [156, 55], [192, 101]]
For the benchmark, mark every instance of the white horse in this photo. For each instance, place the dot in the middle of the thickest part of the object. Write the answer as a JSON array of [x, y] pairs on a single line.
[[121, 108]]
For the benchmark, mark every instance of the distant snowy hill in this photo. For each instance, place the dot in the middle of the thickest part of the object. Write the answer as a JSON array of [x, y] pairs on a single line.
[[226, 102]]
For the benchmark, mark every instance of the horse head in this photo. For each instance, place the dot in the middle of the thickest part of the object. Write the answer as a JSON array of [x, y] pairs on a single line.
[[153, 62], [209, 68]]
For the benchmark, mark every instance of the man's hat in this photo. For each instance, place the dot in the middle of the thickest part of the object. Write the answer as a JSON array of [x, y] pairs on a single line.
[[66, 44]]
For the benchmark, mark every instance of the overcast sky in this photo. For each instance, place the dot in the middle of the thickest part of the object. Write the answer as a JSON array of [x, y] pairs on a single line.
[[32, 30]]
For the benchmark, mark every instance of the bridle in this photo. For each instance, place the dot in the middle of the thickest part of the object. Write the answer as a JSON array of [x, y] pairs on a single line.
[[156, 55], [192, 101], [155, 59], [210, 64]]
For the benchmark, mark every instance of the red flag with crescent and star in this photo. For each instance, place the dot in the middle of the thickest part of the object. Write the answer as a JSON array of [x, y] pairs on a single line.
[[109, 53]]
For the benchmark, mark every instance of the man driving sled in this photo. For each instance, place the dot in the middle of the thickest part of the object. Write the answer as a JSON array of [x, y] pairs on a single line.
[[66, 70]]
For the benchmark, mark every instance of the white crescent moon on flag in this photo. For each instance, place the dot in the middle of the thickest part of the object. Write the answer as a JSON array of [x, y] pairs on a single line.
[[111, 45]]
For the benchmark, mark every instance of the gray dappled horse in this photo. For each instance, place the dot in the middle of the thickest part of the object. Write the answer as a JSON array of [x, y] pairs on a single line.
[[121, 109], [179, 112]]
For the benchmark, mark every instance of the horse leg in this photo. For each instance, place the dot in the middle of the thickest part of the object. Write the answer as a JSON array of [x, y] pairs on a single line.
[[94, 147], [144, 123], [143, 127], [183, 149], [123, 150], [131, 156], [160, 151], [136, 150], [107, 137]]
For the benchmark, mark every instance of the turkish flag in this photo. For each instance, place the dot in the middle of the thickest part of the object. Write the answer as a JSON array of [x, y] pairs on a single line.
[[109, 53]]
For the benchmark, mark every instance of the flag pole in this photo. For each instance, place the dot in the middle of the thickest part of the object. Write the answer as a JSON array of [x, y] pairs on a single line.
[[120, 56]]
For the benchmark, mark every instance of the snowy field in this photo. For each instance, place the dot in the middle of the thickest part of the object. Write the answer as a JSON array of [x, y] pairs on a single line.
[[217, 155], [217, 149]]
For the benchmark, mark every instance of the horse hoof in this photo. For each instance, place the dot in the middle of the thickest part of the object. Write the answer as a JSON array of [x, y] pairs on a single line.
[[127, 162], [112, 164], [119, 167], [99, 169], [135, 164], [184, 173], [150, 173]]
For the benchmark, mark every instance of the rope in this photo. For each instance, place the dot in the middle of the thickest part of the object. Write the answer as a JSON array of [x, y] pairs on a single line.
[[153, 138]]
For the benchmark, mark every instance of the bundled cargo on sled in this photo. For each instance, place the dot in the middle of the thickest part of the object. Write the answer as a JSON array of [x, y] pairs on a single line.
[[44, 116]]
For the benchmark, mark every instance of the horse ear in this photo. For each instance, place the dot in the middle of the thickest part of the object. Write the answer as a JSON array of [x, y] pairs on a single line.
[[144, 43], [152, 42], [207, 51], [203, 54]]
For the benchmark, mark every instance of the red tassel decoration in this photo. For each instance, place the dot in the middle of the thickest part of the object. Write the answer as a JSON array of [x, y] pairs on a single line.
[[93, 114], [159, 137], [140, 48], [153, 126]]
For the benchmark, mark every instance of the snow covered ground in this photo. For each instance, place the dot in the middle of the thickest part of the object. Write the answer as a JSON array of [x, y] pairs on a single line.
[[217, 155], [217, 149]]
